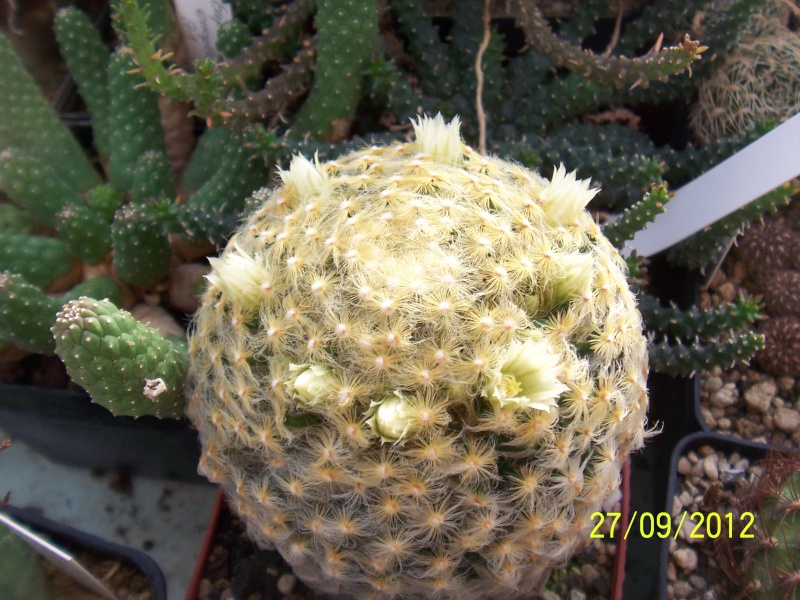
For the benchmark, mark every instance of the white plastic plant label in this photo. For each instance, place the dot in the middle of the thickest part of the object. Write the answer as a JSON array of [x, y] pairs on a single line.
[[767, 163], [199, 21]]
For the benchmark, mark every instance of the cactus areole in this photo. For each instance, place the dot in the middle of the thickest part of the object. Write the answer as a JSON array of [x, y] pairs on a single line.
[[417, 371]]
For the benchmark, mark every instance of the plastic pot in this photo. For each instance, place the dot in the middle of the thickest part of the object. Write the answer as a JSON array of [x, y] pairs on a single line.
[[67, 428], [754, 451], [76, 540]]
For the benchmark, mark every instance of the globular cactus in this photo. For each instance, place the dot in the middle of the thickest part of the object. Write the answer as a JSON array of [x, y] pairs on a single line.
[[767, 551], [126, 366], [417, 371]]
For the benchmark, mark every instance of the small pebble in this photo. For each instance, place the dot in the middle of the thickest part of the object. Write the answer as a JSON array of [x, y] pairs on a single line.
[[684, 466], [286, 583], [682, 589], [759, 397], [787, 419]]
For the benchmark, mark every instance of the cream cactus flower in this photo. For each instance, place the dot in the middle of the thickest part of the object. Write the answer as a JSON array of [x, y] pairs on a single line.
[[240, 275], [439, 139], [310, 384], [527, 378], [390, 417], [566, 197], [305, 177]]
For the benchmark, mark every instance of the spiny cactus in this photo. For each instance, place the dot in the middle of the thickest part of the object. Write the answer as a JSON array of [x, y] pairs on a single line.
[[770, 546], [417, 370], [128, 367]]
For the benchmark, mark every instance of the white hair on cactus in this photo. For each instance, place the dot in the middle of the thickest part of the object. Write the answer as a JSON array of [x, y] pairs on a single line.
[[439, 139], [566, 197]]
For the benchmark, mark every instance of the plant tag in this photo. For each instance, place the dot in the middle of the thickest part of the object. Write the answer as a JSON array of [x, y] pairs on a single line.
[[199, 21], [57, 557], [770, 161]]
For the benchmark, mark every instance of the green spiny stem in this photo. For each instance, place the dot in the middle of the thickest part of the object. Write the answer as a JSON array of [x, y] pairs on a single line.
[[105, 199], [680, 360], [258, 14], [86, 233], [142, 251], [389, 89], [636, 218], [131, 23], [346, 30], [232, 37], [278, 92], [40, 260], [268, 46], [694, 322], [657, 65], [152, 178], [87, 57], [212, 213], [135, 120], [27, 313], [708, 246], [691, 162], [26, 119], [126, 366], [205, 160], [35, 187], [438, 77], [14, 220]]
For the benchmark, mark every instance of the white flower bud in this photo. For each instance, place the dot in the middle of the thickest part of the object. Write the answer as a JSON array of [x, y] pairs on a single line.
[[565, 199], [305, 177], [390, 417], [528, 378], [439, 139], [238, 275], [310, 384], [577, 278]]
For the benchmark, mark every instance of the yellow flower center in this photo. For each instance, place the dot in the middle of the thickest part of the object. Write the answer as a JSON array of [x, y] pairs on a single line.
[[510, 386]]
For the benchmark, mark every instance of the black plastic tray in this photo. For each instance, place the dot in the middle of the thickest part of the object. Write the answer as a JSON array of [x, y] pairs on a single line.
[[74, 538], [747, 449], [67, 428]]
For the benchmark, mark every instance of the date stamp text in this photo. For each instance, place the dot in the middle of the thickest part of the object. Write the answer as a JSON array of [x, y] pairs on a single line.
[[662, 525]]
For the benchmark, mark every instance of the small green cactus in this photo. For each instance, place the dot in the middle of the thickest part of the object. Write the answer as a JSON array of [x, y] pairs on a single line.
[[417, 370], [126, 366]]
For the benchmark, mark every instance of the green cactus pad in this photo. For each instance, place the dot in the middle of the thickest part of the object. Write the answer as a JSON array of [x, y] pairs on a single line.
[[126, 366], [13, 219], [134, 119], [86, 55], [106, 200], [29, 123], [85, 232], [27, 313], [35, 187], [346, 30], [152, 178], [142, 250], [40, 260]]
